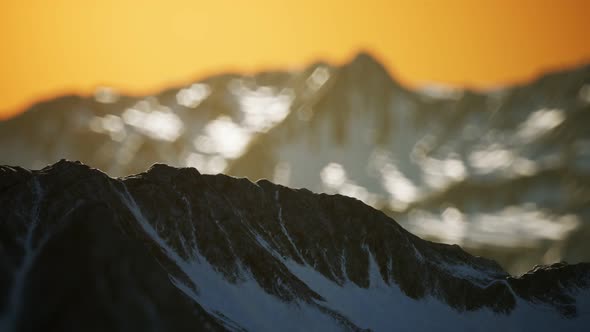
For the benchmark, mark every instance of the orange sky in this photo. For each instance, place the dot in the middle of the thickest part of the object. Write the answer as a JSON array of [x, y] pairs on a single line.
[[59, 46]]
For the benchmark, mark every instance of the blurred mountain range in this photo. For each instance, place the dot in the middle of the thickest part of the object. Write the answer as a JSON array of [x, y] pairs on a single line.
[[503, 173]]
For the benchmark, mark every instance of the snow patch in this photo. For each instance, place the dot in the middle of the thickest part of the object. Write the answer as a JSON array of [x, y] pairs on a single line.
[[241, 305]]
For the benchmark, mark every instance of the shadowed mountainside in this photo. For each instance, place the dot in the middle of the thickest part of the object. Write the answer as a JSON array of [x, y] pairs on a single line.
[[172, 249]]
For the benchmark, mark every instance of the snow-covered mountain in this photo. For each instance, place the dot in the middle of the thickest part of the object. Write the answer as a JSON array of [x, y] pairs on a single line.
[[173, 249], [505, 173]]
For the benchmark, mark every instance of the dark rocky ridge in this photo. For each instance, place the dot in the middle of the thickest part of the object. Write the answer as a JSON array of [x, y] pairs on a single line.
[[82, 251]]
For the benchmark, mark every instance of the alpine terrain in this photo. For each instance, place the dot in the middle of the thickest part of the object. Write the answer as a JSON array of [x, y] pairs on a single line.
[[171, 249], [505, 173]]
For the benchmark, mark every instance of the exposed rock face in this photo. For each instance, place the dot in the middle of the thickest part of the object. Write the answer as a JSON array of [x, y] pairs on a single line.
[[509, 170], [173, 249]]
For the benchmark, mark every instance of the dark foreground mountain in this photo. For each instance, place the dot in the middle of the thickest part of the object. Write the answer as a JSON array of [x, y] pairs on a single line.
[[173, 249], [508, 170]]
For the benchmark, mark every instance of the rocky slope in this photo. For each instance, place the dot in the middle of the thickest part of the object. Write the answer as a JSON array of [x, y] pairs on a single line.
[[173, 249], [508, 170]]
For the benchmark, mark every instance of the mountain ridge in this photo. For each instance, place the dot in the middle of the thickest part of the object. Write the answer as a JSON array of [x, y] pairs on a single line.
[[217, 246], [363, 57], [487, 159]]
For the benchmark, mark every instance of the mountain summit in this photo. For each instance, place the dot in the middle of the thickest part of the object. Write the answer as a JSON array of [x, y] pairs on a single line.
[[174, 249]]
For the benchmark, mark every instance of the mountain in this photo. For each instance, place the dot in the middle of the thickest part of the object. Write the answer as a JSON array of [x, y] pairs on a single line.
[[173, 249], [503, 173]]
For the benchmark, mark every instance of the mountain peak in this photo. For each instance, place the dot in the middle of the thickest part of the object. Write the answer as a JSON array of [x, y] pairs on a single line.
[[364, 57], [167, 172], [366, 61], [71, 168]]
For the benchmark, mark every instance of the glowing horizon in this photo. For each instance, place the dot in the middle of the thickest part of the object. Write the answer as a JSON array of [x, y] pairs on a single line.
[[65, 46]]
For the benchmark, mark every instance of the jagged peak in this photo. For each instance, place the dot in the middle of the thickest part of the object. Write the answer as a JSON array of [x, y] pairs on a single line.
[[160, 172], [65, 165], [165, 170]]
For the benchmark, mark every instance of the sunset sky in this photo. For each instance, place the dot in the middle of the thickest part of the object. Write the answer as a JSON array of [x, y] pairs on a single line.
[[72, 46]]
